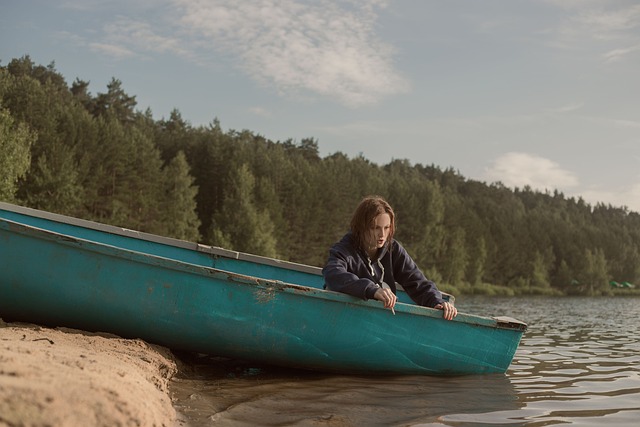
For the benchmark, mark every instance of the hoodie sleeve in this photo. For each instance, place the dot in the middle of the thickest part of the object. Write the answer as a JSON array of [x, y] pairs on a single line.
[[341, 274], [422, 290]]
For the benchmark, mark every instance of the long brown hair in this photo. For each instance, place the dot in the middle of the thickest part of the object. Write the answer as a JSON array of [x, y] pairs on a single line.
[[364, 216]]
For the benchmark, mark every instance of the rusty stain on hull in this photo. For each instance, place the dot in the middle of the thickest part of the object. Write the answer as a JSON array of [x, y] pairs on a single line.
[[264, 295]]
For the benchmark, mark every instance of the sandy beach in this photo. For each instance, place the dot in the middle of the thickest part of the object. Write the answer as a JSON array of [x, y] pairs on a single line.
[[67, 377]]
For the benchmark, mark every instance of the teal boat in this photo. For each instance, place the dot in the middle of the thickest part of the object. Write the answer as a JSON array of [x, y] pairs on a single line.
[[62, 271]]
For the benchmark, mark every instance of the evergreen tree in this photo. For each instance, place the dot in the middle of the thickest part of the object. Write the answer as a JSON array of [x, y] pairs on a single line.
[[240, 222], [53, 180], [80, 90], [210, 159], [116, 103], [141, 188], [178, 217], [430, 247]]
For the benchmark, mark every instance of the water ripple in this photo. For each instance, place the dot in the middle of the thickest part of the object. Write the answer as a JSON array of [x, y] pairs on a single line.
[[577, 364]]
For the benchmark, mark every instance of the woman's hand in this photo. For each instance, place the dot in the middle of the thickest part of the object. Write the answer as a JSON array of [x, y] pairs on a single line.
[[449, 310], [387, 297]]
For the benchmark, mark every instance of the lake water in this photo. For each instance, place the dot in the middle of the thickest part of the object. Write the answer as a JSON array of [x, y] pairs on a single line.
[[578, 364]]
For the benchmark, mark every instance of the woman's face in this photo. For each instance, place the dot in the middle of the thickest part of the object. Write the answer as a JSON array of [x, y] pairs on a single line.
[[379, 232]]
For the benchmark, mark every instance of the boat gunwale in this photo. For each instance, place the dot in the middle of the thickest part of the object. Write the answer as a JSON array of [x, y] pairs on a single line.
[[154, 238], [277, 285]]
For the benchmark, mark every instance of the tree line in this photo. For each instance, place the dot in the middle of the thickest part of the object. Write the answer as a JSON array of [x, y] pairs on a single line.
[[65, 150]]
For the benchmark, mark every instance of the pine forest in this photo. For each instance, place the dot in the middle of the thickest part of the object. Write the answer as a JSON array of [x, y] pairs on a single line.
[[96, 157]]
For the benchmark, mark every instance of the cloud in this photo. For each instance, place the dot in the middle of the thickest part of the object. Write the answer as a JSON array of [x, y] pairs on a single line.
[[115, 51], [140, 37], [517, 169], [325, 48], [296, 47], [597, 25], [619, 54], [609, 23], [603, 18]]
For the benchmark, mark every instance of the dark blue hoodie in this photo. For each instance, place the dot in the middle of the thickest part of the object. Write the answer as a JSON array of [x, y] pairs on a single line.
[[351, 271]]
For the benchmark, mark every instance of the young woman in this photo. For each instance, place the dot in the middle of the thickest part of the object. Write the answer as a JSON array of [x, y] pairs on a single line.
[[368, 262]]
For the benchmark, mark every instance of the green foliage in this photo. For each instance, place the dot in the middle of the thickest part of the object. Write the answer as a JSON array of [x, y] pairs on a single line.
[[595, 273], [15, 155], [540, 273], [477, 260], [53, 180], [96, 157], [178, 217], [241, 223]]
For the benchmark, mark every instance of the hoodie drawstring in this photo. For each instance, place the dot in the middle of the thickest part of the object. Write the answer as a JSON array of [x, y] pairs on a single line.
[[380, 282]]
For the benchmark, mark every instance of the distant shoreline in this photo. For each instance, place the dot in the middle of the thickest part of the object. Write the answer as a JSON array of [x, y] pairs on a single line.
[[487, 289]]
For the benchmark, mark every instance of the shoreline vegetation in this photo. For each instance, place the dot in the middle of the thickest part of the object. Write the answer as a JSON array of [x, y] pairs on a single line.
[[506, 291], [97, 157]]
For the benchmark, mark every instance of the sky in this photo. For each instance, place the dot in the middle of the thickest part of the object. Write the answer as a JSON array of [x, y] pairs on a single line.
[[539, 93]]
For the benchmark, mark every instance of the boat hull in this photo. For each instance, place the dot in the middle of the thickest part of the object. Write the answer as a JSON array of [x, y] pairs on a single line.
[[60, 280]]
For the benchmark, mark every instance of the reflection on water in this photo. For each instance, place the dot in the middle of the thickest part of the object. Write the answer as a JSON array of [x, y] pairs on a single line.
[[234, 393], [579, 363]]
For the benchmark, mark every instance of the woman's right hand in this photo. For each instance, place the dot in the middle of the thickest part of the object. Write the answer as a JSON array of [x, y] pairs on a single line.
[[386, 296]]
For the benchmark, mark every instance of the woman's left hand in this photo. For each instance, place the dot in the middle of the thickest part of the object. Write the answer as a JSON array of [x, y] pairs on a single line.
[[449, 310]]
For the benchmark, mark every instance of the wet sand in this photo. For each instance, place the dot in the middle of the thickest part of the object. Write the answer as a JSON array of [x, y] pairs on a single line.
[[67, 377]]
